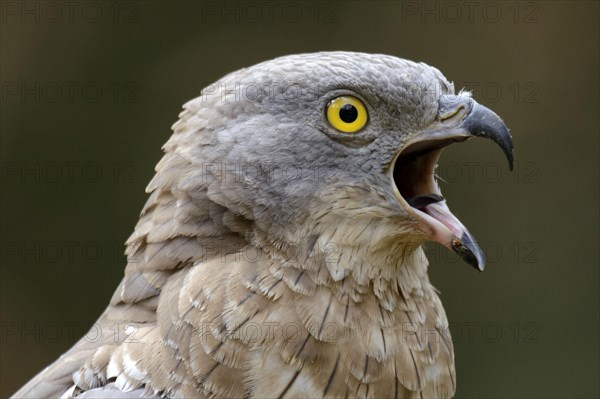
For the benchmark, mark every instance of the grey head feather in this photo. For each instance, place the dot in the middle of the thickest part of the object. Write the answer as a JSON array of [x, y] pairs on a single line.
[[260, 142]]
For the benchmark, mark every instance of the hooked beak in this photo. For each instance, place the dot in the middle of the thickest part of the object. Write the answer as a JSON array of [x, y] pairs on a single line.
[[459, 118]]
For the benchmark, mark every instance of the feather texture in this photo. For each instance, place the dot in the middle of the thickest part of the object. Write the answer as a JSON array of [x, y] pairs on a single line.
[[222, 299]]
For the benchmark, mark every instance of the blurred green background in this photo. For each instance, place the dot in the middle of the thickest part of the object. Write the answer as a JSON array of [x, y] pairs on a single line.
[[90, 89]]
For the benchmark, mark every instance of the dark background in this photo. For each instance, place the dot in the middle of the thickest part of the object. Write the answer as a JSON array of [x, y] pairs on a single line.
[[90, 90]]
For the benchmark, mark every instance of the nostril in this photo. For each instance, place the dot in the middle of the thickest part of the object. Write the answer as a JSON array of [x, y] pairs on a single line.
[[452, 105], [450, 113]]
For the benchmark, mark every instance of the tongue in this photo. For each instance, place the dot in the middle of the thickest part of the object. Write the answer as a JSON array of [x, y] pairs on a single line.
[[440, 212], [421, 201], [435, 207]]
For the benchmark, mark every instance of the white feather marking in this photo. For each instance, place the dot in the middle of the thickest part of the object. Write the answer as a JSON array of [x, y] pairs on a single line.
[[68, 393], [126, 384], [433, 372], [114, 369], [131, 369], [170, 343]]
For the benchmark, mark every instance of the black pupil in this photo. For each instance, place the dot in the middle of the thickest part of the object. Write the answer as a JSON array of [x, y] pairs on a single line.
[[348, 113]]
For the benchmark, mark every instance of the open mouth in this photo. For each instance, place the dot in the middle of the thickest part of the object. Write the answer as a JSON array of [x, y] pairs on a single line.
[[413, 175], [412, 172]]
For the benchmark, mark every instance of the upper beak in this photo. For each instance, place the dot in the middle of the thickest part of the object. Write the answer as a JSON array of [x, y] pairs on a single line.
[[480, 122], [459, 118]]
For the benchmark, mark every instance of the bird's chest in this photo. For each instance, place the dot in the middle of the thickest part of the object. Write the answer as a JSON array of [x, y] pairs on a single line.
[[262, 336], [319, 346]]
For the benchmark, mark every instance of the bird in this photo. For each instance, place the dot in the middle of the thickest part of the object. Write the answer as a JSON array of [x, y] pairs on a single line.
[[280, 251]]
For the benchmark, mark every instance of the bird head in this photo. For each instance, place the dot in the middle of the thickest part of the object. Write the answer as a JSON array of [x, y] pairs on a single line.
[[334, 147]]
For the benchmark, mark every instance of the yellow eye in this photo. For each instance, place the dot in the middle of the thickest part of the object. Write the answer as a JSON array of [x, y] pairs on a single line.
[[347, 114]]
